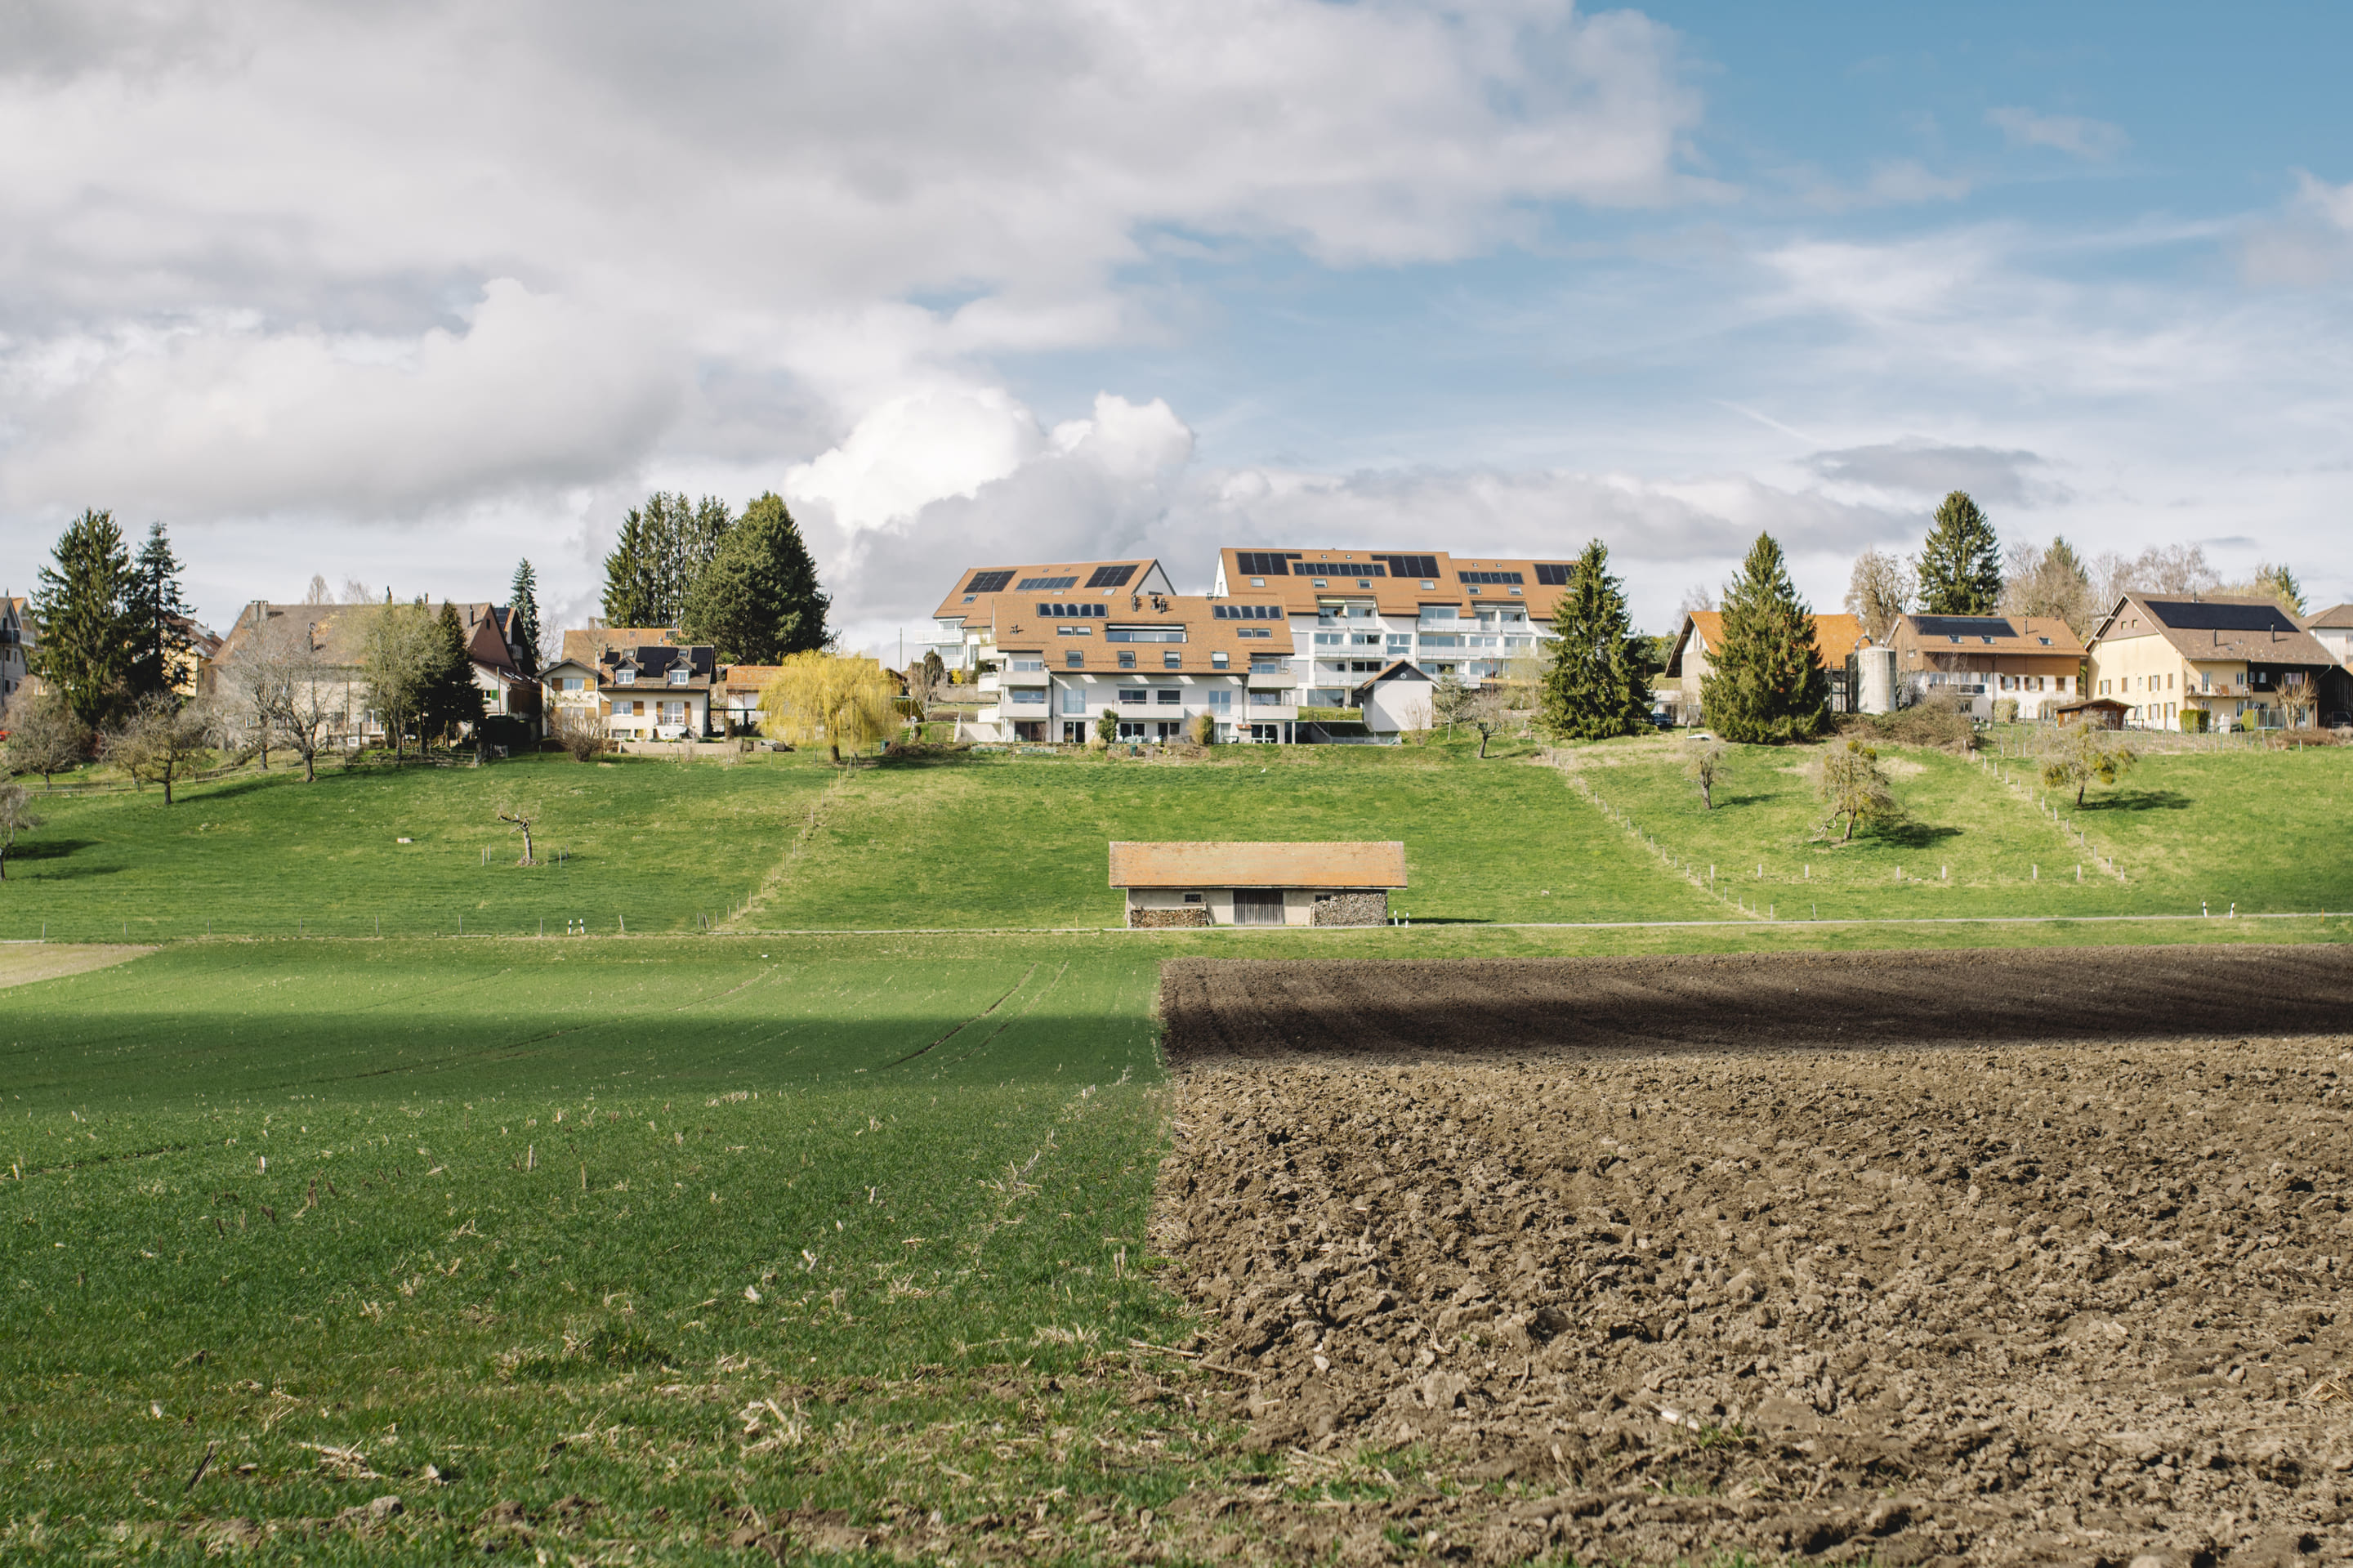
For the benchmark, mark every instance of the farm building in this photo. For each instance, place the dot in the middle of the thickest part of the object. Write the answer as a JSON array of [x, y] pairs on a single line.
[[1173, 885]]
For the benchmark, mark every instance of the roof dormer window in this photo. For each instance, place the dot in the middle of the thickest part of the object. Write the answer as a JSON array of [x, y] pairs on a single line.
[[625, 676], [679, 675]]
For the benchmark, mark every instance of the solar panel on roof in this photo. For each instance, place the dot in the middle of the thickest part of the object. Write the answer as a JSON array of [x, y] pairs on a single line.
[[1246, 612], [2190, 615], [1111, 577], [1047, 585], [1411, 565], [1964, 626], [1553, 574], [1493, 579], [1262, 563], [989, 582]]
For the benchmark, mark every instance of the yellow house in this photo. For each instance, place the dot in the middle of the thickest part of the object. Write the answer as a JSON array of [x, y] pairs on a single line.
[[2204, 663]]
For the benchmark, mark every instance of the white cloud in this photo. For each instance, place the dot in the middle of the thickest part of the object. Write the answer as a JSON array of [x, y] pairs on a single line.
[[2093, 139], [248, 243]]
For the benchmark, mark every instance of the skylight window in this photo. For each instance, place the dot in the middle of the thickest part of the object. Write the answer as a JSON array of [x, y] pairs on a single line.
[[1046, 585]]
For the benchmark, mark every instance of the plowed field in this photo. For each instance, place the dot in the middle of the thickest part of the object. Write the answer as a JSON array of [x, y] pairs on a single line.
[[1982, 1257]]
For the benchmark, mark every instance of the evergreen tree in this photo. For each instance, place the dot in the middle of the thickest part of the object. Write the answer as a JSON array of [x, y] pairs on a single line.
[[632, 585], [759, 602], [158, 613], [1959, 567], [451, 696], [1765, 682], [523, 601], [665, 547], [1597, 684], [81, 610]]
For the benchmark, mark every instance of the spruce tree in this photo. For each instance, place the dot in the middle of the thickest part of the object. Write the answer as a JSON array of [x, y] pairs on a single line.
[[632, 582], [450, 697], [81, 611], [522, 601], [1597, 684], [158, 613], [759, 600], [1766, 680], [1960, 568]]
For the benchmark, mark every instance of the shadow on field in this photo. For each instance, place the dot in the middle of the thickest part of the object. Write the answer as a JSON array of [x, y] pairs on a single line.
[[1916, 835], [1752, 1002], [2139, 801]]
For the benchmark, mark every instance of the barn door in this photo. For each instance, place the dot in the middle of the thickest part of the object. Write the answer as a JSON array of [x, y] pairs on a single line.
[[1257, 907]]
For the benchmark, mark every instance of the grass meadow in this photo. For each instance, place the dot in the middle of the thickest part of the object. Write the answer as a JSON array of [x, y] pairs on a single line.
[[584, 1245]]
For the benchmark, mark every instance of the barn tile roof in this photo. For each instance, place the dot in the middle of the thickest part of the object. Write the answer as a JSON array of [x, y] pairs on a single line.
[[1375, 864]]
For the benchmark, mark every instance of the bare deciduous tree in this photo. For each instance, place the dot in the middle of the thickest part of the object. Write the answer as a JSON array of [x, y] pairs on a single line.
[[1848, 781], [579, 731], [1879, 589], [162, 742], [357, 592], [521, 817], [318, 592], [15, 817], [2081, 754], [1487, 710], [1706, 763], [45, 736]]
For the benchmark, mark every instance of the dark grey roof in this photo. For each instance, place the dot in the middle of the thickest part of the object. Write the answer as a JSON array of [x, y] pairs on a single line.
[[2203, 615], [1964, 626]]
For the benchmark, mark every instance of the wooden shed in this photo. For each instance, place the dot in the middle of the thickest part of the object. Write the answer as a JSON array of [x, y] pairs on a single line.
[[1175, 885], [2100, 713]]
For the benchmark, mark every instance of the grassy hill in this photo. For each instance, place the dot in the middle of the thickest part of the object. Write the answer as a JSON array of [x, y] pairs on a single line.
[[786, 842]]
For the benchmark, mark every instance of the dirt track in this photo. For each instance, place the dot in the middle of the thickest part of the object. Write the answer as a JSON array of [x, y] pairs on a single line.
[[1650, 1257]]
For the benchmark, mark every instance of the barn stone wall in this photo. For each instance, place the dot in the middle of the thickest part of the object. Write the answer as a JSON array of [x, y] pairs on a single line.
[[1353, 909]]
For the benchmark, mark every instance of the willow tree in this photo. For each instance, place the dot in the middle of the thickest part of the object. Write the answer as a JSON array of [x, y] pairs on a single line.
[[834, 699]]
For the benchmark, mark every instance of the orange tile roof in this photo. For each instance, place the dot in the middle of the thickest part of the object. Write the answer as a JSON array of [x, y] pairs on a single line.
[[1361, 574], [1376, 864], [1210, 626], [967, 603], [1835, 637]]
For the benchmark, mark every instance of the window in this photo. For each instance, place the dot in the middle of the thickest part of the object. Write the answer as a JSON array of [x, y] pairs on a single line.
[[1168, 696], [1221, 701], [1027, 697], [1020, 663], [1254, 631], [1263, 664], [1258, 582], [1074, 699], [1074, 660], [625, 677], [679, 675], [1329, 638], [1192, 899], [572, 683], [1320, 582], [1172, 659], [1135, 694], [673, 713], [1143, 633], [1074, 631], [1953, 637], [1127, 660]]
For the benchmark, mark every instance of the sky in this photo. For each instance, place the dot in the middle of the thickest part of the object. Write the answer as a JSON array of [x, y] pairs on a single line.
[[404, 293]]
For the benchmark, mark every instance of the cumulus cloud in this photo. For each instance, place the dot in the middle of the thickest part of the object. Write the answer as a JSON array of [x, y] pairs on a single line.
[[1124, 481], [2093, 139], [273, 234]]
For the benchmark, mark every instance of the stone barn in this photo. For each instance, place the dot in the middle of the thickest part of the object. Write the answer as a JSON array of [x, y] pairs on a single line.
[[1171, 885]]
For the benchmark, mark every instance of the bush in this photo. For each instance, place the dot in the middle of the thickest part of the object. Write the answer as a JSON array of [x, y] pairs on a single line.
[[1943, 727], [2005, 710], [579, 732], [2194, 721]]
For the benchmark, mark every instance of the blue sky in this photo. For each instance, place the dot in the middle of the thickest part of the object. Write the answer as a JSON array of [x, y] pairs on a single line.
[[401, 295]]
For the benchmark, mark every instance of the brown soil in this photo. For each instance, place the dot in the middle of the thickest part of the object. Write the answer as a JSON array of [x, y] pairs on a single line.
[[1645, 1259], [21, 963]]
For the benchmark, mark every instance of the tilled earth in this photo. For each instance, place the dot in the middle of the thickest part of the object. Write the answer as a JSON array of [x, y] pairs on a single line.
[[1642, 1259]]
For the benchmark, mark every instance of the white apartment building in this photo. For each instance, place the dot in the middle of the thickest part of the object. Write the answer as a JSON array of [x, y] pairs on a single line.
[[1093, 637], [1352, 614], [16, 643]]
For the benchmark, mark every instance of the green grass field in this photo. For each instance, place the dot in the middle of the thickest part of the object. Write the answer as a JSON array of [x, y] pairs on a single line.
[[682, 1223]]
